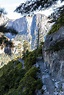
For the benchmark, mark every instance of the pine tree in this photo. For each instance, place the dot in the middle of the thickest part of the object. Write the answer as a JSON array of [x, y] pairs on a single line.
[[32, 5], [2, 11]]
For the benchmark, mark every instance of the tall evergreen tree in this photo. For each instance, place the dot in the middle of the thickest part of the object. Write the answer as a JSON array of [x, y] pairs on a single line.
[[33, 5], [2, 11]]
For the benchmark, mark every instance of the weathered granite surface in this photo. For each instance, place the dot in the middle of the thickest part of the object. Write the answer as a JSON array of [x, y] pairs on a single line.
[[53, 53], [54, 38]]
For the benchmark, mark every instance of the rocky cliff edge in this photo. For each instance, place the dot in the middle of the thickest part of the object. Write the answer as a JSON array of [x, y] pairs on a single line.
[[53, 53]]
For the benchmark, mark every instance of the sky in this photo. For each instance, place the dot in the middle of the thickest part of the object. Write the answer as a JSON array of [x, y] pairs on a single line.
[[10, 6]]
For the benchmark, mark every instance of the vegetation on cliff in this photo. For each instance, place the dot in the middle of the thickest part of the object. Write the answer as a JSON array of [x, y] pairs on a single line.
[[58, 24], [15, 80], [33, 5]]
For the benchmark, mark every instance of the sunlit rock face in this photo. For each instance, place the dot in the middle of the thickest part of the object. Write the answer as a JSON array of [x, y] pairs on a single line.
[[3, 20], [53, 53], [39, 24], [29, 26]]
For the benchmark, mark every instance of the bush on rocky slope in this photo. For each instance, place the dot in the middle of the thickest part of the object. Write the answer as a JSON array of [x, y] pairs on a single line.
[[30, 60], [14, 80], [57, 25]]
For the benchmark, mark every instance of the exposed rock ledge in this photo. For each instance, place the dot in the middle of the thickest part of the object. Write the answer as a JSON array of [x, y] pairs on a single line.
[[53, 53]]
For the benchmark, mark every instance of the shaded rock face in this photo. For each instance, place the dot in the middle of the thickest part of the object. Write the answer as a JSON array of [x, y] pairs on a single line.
[[53, 53]]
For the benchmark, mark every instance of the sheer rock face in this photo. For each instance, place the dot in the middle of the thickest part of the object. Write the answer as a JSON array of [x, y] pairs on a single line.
[[29, 27], [53, 52]]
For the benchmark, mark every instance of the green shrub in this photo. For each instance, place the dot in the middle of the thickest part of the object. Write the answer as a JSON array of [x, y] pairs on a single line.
[[58, 46], [30, 60], [11, 76], [30, 82], [17, 81], [57, 25]]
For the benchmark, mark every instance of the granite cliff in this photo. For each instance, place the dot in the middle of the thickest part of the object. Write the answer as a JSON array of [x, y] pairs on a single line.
[[53, 52], [29, 26], [27, 36]]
